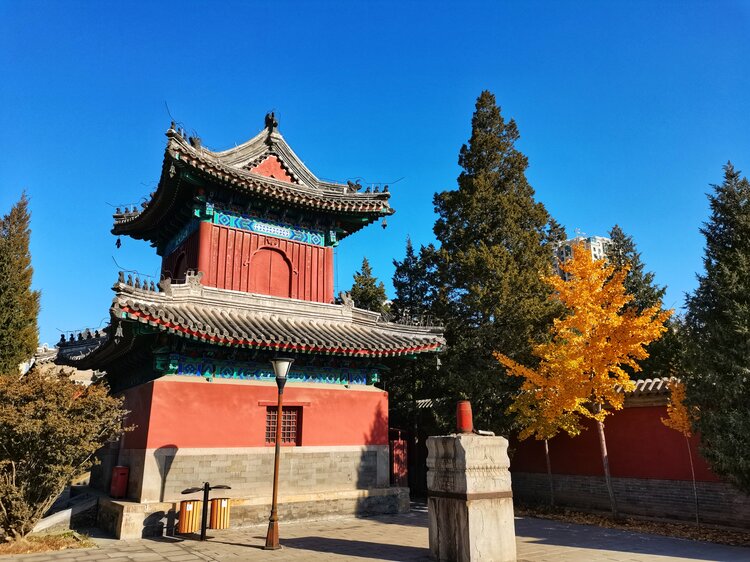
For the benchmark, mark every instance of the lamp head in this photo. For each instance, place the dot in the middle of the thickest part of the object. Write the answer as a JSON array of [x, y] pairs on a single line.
[[281, 366]]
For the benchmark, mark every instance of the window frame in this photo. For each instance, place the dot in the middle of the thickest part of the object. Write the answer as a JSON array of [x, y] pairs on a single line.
[[270, 427]]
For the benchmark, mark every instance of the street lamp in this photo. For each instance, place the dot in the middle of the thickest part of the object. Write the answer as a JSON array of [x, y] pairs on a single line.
[[281, 369]]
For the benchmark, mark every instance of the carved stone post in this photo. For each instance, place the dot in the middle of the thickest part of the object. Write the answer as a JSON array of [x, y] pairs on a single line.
[[470, 500]]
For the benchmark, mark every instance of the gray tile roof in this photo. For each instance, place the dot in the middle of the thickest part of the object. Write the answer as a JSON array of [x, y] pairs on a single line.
[[651, 387], [232, 168], [238, 319]]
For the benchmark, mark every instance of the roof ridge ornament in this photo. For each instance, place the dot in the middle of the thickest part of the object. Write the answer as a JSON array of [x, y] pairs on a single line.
[[272, 125], [271, 122], [193, 282], [165, 285], [346, 300]]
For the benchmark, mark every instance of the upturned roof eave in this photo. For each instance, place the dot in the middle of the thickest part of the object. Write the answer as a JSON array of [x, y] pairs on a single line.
[[242, 320], [180, 156]]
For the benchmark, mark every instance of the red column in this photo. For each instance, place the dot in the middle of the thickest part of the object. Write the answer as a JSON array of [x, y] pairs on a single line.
[[204, 250], [329, 274]]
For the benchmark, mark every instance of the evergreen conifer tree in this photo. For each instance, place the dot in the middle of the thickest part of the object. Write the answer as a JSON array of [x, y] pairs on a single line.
[[718, 333], [367, 292], [19, 304], [413, 281], [640, 284], [496, 245], [412, 378], [664, 353]]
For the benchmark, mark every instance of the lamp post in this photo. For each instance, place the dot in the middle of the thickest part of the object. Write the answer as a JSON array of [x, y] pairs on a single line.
[[281, 369]]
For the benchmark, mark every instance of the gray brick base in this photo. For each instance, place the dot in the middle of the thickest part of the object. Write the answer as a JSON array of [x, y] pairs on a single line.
[[719, 503], [128, 520], [160, 475]]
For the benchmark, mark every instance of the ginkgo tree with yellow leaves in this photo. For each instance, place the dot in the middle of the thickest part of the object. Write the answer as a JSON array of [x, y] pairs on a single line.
[[679, 418], [581, 370]]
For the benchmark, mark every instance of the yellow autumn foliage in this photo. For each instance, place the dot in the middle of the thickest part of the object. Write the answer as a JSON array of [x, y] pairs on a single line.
[[580, 370], [678, 417]]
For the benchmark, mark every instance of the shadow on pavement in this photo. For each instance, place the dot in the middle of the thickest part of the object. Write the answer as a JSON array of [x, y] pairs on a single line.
[[533, 531], [353, 548], [411, 519], [257, 543]]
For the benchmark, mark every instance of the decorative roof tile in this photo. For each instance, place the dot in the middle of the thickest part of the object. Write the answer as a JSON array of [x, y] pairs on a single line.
[[246, 320]]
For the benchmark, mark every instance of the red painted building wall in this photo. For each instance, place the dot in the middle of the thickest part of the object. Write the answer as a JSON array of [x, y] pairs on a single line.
[[245, 261], [138, 403], [271, 167], [196, 413], [228, 255], [638, 444]]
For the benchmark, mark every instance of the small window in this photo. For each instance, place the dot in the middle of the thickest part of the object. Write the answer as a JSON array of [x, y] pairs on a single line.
[[291, 425]]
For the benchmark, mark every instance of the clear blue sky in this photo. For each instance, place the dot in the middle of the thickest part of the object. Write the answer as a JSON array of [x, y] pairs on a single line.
[[627, 113]]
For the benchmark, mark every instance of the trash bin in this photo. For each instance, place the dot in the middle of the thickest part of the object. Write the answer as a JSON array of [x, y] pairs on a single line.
[[119, 486], [190, 516], [219, 513]]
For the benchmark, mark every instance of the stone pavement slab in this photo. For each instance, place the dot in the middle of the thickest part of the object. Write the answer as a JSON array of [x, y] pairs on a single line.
[[401, 538]]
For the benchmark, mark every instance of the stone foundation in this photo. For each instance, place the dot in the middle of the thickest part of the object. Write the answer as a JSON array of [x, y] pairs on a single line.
[[160, 475], [130, 520], [719, 503]]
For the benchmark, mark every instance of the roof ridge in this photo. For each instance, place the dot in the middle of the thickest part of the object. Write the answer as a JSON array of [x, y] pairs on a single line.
[[266, 143], [204, 297]]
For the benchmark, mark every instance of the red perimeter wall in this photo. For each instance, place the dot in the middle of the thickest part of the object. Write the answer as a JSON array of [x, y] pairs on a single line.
[[638, 444], [196, 413]]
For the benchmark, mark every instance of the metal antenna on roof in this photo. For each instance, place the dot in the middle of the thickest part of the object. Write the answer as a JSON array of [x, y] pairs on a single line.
[[134, 271], [171, 118]]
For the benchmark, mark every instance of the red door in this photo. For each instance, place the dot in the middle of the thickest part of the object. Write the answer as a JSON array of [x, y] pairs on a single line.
[[399, 470], [270, 273]]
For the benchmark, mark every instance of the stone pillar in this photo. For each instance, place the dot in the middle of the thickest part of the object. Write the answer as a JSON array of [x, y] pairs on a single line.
[[470, 501]]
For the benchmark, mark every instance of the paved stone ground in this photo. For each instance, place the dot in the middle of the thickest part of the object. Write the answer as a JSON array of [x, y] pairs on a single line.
[[398, 538]]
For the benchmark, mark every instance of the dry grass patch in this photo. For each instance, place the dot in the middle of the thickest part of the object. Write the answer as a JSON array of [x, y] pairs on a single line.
[[678, 529], [46, 543]]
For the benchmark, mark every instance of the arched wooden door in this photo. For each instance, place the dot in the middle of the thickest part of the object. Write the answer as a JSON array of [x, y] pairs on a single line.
[[270, 273], [180, 268]]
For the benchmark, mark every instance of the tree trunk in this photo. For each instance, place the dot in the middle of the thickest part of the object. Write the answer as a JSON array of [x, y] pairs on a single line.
[[695, 487], [549, 475], [605, 464]]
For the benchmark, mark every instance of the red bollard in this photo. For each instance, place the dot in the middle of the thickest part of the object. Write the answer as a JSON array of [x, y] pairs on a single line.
[[464, 422], [119, 486]]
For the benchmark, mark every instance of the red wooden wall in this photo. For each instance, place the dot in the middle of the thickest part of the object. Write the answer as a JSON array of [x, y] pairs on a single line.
[[245, 261], [638, 444]]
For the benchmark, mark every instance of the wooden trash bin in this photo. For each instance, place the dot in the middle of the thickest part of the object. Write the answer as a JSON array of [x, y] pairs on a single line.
[[219, 513], [190, 516]]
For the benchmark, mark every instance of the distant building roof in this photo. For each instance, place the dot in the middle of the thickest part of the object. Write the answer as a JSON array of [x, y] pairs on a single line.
[[652, 386], [44, 362], [657, 390]]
